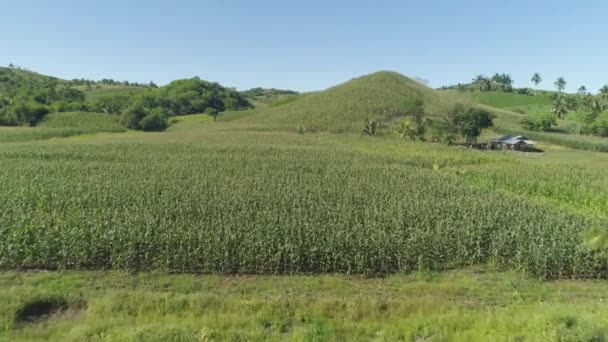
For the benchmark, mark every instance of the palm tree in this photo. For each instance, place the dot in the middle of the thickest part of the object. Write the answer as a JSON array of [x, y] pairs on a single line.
[[507, 81], [604, 92], [536, 79], [582, 90], [560, 84], [560, 107], [481, 81]]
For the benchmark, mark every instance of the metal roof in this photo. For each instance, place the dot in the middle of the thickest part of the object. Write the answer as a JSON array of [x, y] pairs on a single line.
[[512, 140]]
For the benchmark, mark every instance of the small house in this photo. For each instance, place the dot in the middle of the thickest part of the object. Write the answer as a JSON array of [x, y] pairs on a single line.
[[510, 142]]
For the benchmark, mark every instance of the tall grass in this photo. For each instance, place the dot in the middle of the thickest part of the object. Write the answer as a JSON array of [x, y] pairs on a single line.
[[61, 125]]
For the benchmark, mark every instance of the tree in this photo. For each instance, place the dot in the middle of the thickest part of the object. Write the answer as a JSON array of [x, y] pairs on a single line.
[[132, 116], [503, 82], [536, 79], [604, 92], [212, 112], [414, 127], [467, 122], [560, 84], [600, 126], [582, 90], [560, 106], [540, 122], [154, 122]]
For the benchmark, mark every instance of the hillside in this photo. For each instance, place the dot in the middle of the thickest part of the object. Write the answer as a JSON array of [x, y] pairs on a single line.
[[380, 96]]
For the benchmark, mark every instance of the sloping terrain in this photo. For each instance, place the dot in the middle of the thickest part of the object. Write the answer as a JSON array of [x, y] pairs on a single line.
[[343, 108]]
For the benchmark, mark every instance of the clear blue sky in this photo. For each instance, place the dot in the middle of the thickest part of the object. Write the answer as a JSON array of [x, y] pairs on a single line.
[[309, 44]]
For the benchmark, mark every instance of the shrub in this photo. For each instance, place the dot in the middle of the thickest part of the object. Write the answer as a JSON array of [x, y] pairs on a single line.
[[154, 123], [600, 125], [132, 116], [212, 112], [414, 127], [540, 122], [370, 127]]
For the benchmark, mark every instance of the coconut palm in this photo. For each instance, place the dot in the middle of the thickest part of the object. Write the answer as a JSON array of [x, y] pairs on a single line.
[[582, 90], [560, 84], [604, 92], [536, 79]]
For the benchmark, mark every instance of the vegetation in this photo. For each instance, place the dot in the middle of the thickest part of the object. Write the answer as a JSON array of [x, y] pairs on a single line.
[[382, 97], [26, 98], [540, 122], [473, 305]]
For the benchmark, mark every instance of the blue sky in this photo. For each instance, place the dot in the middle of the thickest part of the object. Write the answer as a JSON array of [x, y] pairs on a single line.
[[308, 45]]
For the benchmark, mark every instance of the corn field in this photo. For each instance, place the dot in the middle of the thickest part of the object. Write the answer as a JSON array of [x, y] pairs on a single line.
[[260, 203]]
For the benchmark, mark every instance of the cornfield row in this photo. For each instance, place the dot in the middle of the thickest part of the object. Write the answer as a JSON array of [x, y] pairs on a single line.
[[266, 209]]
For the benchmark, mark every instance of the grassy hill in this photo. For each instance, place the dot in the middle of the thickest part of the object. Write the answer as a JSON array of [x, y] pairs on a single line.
[[381, 96]]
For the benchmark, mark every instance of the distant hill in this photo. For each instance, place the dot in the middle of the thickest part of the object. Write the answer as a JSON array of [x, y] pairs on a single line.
[[380, 96], [266, 92]]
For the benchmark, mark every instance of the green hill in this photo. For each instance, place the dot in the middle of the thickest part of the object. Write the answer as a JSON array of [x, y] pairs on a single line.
[[381, 96]]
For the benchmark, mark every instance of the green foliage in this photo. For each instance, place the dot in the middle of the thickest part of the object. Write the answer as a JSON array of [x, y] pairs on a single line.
[[214, 113], [414, 127], [154, 122], [257, 93], [540, 122], [560, 84], [25, 97], [536, 79], [498, 82], [370, 127], [461, 119], [600, 125], [560, 106], [132, 116]]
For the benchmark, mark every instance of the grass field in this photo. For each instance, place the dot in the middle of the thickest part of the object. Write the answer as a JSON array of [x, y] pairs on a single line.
[[469, 305]]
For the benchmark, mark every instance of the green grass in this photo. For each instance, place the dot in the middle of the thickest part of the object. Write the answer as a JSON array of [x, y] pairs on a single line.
[[61, 125], [512, 100], [109, 90], [94, 122], [471, 305]]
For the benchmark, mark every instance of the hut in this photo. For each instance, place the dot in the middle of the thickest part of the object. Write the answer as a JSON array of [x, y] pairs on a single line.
[[510, 142]]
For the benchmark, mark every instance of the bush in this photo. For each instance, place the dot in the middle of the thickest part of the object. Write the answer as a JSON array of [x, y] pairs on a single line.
[[212, 112], [600, 125], [542, 122], [524, 91], [154, 123], [132, 116]]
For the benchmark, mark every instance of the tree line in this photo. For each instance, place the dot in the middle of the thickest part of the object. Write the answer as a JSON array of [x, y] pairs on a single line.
[[25, 98]]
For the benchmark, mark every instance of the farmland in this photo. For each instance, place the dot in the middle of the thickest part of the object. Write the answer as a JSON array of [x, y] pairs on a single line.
[[251, 200]]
